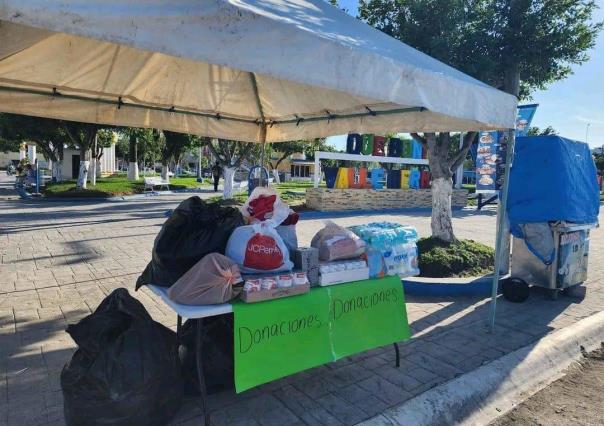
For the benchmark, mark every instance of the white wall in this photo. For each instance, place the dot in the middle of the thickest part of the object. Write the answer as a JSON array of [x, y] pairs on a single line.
[[108, 163]]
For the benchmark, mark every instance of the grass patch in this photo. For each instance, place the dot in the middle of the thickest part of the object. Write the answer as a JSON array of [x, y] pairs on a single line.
[[463, 258], [292, 193], [112, 186]]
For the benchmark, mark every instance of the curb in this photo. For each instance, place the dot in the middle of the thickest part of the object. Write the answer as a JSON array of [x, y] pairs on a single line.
[[471, 286], [117, 198], [482, 395]]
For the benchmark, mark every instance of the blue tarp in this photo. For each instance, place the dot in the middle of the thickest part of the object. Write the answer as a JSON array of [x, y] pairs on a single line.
[[552, 178]]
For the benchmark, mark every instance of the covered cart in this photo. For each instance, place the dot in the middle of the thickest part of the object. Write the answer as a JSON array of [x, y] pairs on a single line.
[[553, 203]]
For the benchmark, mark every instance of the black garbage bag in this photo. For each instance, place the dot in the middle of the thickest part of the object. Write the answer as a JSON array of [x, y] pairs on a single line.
[[194, 229], [216, 355], [126, 370]]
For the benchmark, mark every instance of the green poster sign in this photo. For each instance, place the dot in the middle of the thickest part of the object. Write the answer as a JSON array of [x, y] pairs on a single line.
[[278, 338]]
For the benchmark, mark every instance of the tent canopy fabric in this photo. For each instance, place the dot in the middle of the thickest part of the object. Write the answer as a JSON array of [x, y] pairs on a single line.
[[250, 70], [552, 179]]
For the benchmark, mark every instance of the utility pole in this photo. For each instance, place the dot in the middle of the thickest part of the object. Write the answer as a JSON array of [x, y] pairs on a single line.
[[587, 132]]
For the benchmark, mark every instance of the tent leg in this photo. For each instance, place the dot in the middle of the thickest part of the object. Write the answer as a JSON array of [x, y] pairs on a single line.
[[200, 377], [262, 163], [501, 226]]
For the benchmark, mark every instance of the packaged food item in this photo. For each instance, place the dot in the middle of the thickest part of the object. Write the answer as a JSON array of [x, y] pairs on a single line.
[[342, 272], [268, 284], [285, 280], [258, 248], [335, 243], [252, 285], [300, 278]]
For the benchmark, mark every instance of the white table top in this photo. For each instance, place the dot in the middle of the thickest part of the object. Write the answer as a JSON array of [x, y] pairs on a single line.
[[191, 311]]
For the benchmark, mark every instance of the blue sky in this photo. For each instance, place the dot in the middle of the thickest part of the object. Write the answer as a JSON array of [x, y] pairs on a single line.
[[568, 105]]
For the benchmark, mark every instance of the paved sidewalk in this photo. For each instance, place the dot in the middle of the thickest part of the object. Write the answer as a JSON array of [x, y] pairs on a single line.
[[59, 260]]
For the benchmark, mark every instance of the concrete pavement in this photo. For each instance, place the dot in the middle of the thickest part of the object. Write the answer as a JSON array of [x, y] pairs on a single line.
[[59, 260]]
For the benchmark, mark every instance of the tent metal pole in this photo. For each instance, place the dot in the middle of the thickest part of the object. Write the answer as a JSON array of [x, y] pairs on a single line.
[[262, 123], [501, 228]]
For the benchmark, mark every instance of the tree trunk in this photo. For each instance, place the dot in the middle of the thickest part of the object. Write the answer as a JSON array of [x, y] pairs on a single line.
[[92, 174], [442, 227], [276, 176], [83, 173], [133, 159], [56, 170], [164, 173], [229, 176], [511, 83]]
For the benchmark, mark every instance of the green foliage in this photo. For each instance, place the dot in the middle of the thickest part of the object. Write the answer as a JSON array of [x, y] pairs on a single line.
[[230, 153], [493, 40], [46, 133], [111, 186], [536, 131], [599, 160], [462, 258]]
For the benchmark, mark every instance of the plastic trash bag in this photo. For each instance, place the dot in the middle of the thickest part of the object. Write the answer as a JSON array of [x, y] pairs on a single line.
[[337, 243], [126, 369], [258, 248], [217, 354], [264, 204], [210, 281], [194, 229]]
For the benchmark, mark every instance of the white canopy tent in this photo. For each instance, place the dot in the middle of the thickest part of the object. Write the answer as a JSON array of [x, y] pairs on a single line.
[[247, 70]]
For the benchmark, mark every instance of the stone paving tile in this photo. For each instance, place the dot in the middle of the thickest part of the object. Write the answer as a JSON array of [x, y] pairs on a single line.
[[59, 260]]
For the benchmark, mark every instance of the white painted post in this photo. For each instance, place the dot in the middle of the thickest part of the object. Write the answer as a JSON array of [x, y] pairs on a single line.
[[31, 153], [317, 176], [459, 171]]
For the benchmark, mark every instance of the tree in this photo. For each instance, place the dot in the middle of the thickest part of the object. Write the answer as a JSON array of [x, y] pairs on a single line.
[[229, 155], [83, 136], [515, 45], [175, 145], [104, 139], [536, 131], [46, 133], [282, 150]]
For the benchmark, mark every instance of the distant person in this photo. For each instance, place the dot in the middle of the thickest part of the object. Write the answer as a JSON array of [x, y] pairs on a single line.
[[216, 175]]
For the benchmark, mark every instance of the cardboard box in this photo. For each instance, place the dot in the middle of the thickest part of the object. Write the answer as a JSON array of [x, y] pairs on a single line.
[[306, 259], [340, 277], [276, 293]]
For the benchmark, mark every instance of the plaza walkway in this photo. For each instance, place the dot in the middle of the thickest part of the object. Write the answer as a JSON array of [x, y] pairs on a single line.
[[59, 260]]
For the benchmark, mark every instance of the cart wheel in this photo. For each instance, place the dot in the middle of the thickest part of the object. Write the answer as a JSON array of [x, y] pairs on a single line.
[[577, 291], [515, 290], [552, 294]]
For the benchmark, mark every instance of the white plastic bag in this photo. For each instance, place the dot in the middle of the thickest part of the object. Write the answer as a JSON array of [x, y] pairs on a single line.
[[258, 248], [277, 213]]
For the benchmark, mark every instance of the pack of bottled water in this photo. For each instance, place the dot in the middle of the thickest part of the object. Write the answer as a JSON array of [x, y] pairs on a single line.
[[390, 248]]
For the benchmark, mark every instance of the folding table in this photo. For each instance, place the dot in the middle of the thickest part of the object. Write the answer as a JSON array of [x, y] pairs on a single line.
[[198, 313]]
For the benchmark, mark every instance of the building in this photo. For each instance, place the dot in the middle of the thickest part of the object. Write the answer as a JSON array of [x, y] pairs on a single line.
[[296, 167], [71, 160]]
